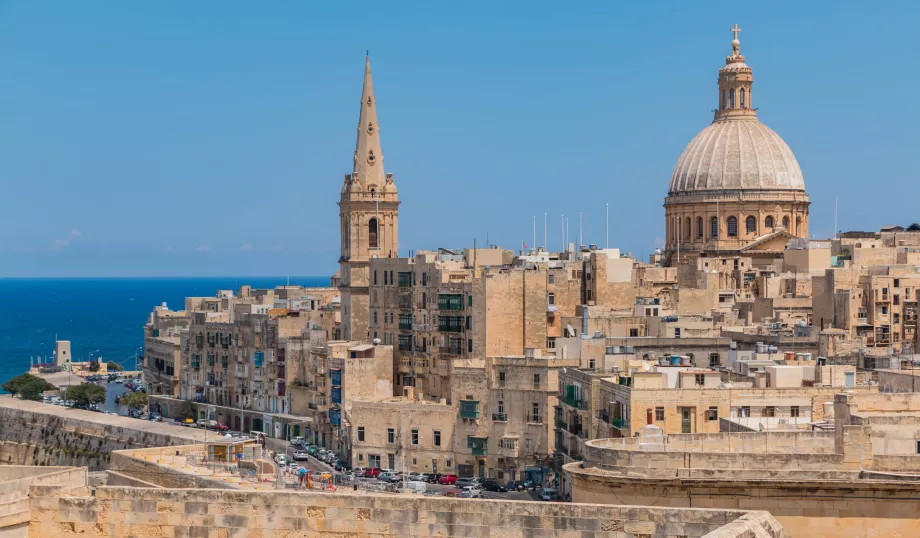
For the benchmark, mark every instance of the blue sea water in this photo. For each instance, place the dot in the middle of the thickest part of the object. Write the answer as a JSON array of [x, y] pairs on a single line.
[[104, 314]]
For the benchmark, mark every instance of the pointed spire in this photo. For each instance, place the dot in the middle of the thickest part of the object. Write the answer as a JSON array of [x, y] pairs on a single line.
[[368, 153]]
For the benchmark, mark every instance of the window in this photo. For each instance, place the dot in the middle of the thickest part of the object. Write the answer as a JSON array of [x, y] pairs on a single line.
[[714, 227], [372, 231], [634, 333], [375, 317], [700, 380], [501, 407], [469, 301], [676, 332], [659, 413], [794, 411], [714, 360], [750, 225], [687, 228], [551, 298], [742, 97], [896, 318], [896, 299], [550, 343], [732, 227], [731, 98], [884, 310], [786, 222], [437, 438], [501, 378], [448, 464], [699, 226], [769, 411], [360, 433], [768, 222], [723, 99], [414, 436], [551, 278], [375, 277], [536, 381], [897, 283], [469, 322], [469, 345], [535, 413], [744, 412], [713, 413], [391, 435]]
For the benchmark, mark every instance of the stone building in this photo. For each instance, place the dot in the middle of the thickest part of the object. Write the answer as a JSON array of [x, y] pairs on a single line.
[[737, 187], [163, 335], [368, 215]]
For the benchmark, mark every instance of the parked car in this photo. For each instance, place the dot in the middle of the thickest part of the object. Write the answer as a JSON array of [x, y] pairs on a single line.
[[299, 440], [424, 477], [493, 485], [372, 472], [549, 494], [515, 486], [416, 477], [340, 466], [201, 423], [359, 471], [219, 426], [385, 477], [471, 492], [155, 417], [434, 478], [281, 459], [464, 482], [293, 464], [299, 455], [447, 479]]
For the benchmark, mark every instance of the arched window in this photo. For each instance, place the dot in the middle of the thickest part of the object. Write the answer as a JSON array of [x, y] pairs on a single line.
[[786, 222], [731, 98], [372, 233], [768, 222], [723, 99], [750, 225], [687, 228], [699, 226], [714, 227], [732, 227], [742, 97], [798, 224]]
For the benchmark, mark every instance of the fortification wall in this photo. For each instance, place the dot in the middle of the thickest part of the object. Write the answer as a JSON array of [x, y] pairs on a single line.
[[117, 511], [805, 506], [40, 434]]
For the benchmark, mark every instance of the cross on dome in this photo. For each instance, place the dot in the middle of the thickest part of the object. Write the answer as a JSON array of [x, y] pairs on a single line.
[[736, 30], [736, 45]]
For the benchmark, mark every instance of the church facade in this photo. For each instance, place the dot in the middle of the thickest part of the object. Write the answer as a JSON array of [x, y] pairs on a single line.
[[737, 186]]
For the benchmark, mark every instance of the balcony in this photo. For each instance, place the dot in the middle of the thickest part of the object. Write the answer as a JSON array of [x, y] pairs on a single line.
[[562, 424], [404, 280], [618, 423], [450, 301], [450, 350], [450, 324], [405, 326], [499, 417], [469, 409], [196, 364], [483, 451], [571, 401]]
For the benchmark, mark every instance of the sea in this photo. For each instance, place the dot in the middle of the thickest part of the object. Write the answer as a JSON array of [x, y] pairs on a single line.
[[102, 317]]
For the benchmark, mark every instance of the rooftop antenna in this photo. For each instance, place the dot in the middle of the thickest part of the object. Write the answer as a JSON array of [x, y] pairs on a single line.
[[563, 233], [835, 218], [581, 238]]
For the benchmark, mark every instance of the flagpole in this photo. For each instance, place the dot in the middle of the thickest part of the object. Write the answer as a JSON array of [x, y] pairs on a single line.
[[581, 237], [607, 228], [562, 218], [545, 246], [534, 245]]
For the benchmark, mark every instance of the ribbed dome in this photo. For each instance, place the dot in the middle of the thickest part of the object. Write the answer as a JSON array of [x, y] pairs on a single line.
[[736, 154]]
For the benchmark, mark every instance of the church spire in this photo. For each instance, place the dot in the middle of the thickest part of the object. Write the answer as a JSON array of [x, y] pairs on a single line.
[[368, 166]]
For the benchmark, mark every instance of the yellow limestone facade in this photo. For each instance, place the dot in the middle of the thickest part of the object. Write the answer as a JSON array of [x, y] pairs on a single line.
[[737, 181], [368, 216]]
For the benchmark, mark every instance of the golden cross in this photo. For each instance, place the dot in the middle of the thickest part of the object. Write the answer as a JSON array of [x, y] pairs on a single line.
[[735, 31]]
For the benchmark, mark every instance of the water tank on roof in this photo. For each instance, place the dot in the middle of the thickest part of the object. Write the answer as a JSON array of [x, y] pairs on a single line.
[[675, 360], [685, 361]]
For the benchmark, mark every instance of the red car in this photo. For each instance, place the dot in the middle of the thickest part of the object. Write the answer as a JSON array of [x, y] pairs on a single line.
[[220, 427], [373, 472], [447, 480]]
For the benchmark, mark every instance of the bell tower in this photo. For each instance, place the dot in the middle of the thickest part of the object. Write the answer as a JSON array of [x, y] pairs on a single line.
[[368, 217]]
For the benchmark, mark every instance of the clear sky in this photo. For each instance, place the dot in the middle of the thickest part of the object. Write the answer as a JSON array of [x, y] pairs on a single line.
[[212, 137]]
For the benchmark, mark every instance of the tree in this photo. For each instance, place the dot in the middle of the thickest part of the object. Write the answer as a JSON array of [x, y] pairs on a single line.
[[185, 410], [114, 366], [85, 394], [135, 401], [28, 386], [93, 366]]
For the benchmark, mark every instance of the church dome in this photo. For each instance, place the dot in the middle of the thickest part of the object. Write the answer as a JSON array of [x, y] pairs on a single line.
[[736, 154]]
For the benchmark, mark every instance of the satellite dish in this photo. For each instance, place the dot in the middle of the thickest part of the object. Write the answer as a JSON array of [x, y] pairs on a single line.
[[646, 367]]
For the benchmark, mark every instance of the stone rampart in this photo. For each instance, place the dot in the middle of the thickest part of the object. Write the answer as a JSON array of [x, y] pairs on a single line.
[[42, 434], [152, 513]]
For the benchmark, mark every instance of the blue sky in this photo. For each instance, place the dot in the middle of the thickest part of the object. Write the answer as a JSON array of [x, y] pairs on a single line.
[[211, 137]]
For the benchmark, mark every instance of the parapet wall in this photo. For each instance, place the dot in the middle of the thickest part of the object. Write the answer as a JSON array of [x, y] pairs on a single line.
[[41, 434], [118, 511]]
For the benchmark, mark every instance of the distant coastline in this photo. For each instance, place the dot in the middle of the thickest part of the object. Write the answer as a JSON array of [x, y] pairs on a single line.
[[99, 315]]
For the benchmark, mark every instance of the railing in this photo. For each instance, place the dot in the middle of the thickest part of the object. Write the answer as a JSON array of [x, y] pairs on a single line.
[[574, 402], [562, 424], [405, 326], [450, 350], [480, 451], [499, 417], [618, 423]]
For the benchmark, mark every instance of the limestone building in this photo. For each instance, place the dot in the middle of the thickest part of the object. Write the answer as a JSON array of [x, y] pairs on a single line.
[[737, 186], [368, 216]]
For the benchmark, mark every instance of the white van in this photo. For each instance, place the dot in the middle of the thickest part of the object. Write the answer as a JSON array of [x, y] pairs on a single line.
[[415, 487]]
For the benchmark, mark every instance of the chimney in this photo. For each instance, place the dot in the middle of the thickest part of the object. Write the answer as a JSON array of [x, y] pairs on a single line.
[[649, 417]]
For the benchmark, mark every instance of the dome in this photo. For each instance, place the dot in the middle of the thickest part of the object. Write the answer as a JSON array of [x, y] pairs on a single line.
[[736, 154]]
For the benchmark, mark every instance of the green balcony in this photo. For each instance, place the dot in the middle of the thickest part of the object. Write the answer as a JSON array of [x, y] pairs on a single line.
[[469, 409], [478, 445], [407, 326], [574, 402], [404, 280], [196, 364], [499, 417], [618, 423], [562, 424], [450, 301], [480, 451]]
